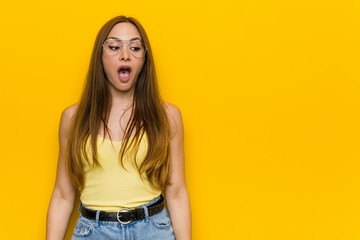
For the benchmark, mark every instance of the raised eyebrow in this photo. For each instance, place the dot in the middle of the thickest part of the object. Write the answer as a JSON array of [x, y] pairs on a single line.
[[135, 38]]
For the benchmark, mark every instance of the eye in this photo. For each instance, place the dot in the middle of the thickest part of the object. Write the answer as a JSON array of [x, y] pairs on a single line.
[[114, 48], [135, 49]]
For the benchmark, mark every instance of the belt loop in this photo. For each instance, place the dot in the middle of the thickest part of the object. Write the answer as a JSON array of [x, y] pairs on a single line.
[[146, 213], [79, 208], [97, 218]]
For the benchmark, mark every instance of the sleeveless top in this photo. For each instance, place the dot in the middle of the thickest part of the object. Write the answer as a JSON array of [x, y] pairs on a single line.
[[111, 187]]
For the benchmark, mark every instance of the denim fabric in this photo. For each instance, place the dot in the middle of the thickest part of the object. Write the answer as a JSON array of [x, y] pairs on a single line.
[[154, 227]]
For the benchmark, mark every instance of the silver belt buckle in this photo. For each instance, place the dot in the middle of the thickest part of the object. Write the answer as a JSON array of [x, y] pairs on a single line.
[[118, 218]]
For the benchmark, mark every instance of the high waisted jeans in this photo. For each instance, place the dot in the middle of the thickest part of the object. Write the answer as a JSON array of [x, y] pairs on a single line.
[[155, 227]]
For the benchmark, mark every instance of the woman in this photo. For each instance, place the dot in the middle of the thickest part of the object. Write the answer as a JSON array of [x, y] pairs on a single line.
[[121, 148]]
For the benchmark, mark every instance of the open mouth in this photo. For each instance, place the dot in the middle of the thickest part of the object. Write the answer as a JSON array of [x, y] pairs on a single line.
[[124, 69], [124, 72]]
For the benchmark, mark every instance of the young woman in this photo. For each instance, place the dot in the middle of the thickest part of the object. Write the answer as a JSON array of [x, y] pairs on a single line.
[[121, 148]]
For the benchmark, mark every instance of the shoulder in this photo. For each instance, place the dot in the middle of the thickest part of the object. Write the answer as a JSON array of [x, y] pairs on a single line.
[[172, 111], [69, 111], [66, 118], [174, 116]]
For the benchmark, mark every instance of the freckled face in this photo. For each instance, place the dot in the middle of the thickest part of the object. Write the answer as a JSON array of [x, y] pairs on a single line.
[[116, 83]]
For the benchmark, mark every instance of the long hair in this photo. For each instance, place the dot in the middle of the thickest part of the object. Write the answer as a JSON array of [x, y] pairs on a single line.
[[147, 114]]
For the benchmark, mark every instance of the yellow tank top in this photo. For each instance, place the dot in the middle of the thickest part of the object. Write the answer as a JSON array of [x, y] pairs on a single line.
[[111, 187]]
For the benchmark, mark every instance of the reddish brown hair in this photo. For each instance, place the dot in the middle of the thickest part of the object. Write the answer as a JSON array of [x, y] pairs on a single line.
[[148, 114]]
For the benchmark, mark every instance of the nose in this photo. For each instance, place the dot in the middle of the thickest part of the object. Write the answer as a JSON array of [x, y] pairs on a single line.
[[124, 53]]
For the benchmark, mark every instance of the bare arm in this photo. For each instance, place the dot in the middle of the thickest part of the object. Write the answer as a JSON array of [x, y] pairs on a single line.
[[176, 195], [63, 196]]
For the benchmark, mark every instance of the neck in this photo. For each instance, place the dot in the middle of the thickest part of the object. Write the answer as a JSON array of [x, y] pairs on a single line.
[[121, 100]]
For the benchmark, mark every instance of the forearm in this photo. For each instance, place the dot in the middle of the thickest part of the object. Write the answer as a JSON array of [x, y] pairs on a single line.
[[58, 217], [180, 214]]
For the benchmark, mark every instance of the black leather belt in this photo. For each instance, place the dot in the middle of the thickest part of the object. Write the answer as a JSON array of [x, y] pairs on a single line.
[[124, 215]]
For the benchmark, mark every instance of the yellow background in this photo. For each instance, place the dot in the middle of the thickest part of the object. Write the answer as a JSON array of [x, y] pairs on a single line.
[[269, 93]]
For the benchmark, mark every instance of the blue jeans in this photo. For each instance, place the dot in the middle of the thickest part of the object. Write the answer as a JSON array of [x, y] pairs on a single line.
[[155, 227]]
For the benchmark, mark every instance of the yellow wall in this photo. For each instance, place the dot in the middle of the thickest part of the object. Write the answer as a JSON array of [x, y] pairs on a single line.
[[269, 92]]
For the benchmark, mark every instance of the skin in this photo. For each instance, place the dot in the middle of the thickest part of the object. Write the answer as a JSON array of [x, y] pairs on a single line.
[[122, 92], [176, 194]]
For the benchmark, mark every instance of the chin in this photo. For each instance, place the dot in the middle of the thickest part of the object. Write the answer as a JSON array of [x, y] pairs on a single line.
[[124, 88]]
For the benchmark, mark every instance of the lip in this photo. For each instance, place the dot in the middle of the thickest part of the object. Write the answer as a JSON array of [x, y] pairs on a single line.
[[124, 66]]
